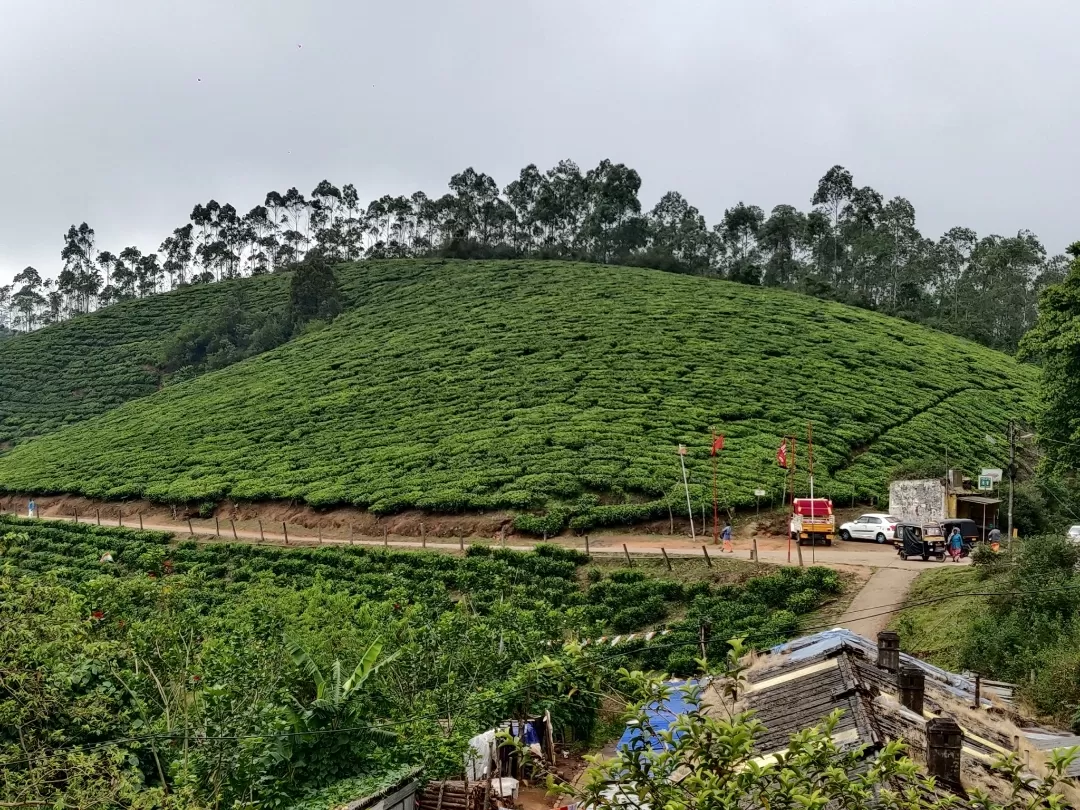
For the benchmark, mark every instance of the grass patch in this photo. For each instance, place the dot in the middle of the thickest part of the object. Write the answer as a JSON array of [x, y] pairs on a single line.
[[936, 631]]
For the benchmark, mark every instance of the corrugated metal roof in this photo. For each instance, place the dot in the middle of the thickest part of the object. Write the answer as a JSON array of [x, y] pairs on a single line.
[[978, 499], [802, 668]]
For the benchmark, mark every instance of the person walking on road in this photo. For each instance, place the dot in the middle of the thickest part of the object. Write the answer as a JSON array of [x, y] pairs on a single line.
[[725, 535], [31, 509], [956, 544]]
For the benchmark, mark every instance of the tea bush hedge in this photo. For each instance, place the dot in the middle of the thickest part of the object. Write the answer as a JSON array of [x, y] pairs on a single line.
[[452, 386]]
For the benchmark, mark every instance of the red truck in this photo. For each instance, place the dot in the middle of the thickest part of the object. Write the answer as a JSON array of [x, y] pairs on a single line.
[[812, 520]]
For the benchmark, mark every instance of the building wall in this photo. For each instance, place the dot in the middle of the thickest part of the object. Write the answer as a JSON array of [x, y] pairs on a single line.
[[921, 501]]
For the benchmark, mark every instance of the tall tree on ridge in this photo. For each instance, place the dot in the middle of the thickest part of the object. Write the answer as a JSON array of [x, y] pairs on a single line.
[[834, 188]]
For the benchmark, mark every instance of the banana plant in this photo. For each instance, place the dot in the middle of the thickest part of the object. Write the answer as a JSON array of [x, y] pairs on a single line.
[[338, 702]]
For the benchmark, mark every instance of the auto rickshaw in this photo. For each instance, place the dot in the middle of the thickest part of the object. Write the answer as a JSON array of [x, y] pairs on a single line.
[[913, 540], [969, 530]]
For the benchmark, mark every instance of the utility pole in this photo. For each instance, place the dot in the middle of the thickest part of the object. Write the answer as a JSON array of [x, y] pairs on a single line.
[[1012, 474]]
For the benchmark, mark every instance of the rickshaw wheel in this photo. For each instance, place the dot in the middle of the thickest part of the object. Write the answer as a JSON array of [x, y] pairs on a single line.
[[941, 558], [903, 556]]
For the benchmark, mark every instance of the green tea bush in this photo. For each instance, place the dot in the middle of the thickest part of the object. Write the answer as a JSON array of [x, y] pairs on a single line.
[[555, 389]]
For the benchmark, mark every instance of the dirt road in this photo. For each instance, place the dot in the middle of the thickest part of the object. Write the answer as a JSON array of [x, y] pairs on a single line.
[[889, 577], [770, 548]]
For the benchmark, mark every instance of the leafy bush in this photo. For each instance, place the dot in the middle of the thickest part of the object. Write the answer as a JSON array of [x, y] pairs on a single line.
[[1031, 633]]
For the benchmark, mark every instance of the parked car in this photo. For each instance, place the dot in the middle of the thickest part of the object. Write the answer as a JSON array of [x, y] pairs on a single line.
[[1074, 533], [876, 526]]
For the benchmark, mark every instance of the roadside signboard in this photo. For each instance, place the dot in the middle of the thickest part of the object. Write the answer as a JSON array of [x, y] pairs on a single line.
[[986, 482], [760, 493], [682, 449], [993, 473]]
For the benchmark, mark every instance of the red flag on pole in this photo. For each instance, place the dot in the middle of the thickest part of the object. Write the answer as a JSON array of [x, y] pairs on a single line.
[[717, 443], [781, 454]]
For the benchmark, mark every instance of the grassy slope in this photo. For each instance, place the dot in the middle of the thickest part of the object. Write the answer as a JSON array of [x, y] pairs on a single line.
[[454, 385], [935, 631]]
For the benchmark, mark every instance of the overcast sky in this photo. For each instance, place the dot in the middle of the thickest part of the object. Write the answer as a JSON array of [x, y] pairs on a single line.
[[966, 107]]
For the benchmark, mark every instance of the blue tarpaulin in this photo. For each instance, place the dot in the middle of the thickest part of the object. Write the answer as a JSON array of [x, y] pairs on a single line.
[[660, 717]]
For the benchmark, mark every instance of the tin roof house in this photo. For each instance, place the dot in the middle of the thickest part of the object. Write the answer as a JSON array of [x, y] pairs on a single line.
[[954, 728]]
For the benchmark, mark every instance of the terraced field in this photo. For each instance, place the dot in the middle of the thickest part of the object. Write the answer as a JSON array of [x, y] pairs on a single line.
[[555, 389]]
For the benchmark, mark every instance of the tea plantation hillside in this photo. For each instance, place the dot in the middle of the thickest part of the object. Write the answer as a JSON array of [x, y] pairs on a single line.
[[554, 389], [80, 368], [88, 365]]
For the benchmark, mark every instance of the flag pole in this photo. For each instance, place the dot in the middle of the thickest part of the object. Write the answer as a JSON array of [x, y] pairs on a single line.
[[810, 469], [715, 501], [686, 486]]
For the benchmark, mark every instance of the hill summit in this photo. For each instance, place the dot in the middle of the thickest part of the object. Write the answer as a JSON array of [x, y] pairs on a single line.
[[553, 388]]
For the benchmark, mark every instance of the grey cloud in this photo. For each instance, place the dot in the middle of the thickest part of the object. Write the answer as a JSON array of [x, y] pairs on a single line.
[[967, 107]]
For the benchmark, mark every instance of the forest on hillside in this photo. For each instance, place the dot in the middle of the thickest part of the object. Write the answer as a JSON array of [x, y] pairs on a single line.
[[850, 245]]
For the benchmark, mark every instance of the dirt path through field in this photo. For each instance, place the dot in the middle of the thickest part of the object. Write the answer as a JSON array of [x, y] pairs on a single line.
[[874, 605], [888, 578], [770, 549]]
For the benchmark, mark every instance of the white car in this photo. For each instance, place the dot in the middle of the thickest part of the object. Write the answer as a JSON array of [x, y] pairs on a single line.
[[876, 526], [1074, 534]]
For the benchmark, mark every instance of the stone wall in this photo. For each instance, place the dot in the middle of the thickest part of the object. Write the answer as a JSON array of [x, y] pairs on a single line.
[[921, 501]]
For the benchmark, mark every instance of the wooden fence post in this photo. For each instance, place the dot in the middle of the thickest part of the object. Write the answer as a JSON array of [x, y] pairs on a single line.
[[190, 530], [586, 545], [708, 559], [423, 536], [140, 522], [98, 516], [285, 529], [76, 514], [320, 534], [666, 558], [753, 552], [262, 537], [385, 537], [350, 534], [461, 543], [798, 548], [629, 562], [233, 524], [120, 518], [671, 521], [217, 526]]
